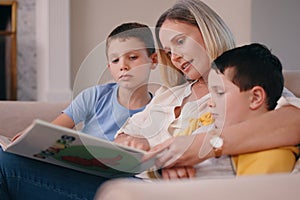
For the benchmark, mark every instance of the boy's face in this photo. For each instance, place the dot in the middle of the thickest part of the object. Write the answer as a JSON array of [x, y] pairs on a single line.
[[228, 105], [129, 63]]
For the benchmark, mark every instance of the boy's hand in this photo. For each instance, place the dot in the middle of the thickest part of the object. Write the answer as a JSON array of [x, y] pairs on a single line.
[[178, 172], [137, 142]]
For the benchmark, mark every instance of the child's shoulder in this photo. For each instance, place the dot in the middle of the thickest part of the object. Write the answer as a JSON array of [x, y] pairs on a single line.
[[106, 87], [101, 88]]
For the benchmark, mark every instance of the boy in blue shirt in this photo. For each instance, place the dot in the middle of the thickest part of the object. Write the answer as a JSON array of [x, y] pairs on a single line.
[[104, 108], [130, 52]]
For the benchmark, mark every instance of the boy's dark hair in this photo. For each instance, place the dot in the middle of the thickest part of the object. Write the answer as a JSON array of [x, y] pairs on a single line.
[[135, 30], [254, 65]]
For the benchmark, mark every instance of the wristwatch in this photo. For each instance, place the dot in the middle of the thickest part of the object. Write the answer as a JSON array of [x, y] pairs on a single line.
[[217, 145]]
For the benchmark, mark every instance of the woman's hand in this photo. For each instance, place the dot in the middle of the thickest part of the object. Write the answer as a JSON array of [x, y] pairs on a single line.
[[182, 151], [137, 142], [178, 172]]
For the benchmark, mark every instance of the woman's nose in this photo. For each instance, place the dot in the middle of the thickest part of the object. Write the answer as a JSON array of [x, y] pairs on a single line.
[[175, 56]]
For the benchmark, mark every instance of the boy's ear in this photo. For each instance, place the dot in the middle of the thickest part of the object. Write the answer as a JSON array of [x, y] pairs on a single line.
[[258, 97], [154, 60]]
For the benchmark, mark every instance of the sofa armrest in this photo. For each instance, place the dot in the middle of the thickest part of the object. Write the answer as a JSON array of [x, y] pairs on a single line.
[[17, 115], [276, 186], [292, 81]]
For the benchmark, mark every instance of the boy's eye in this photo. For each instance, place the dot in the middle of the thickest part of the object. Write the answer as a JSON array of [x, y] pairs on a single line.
[[218, 90], [115, 60], [220, 93], [133, 57]]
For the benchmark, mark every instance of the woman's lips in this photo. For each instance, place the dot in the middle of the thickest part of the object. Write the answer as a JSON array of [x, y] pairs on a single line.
[[186, 66]]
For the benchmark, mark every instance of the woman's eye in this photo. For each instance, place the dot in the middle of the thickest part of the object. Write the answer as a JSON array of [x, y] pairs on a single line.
[[180, 41]]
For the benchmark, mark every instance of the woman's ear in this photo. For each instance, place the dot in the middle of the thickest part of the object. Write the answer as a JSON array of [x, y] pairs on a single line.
[[258, 97], [154, 60]]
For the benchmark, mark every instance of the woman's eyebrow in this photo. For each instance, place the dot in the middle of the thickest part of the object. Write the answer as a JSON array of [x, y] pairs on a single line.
[[176, 36]]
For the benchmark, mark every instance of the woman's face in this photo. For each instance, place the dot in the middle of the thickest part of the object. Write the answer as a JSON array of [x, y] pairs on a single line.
[[185, 46]]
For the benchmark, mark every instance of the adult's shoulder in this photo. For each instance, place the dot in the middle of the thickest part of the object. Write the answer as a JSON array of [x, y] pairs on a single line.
[[164, 88]]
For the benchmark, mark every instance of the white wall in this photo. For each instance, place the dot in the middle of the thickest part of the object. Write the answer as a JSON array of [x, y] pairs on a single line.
[[92, 21], [272, 22], [276, 23]]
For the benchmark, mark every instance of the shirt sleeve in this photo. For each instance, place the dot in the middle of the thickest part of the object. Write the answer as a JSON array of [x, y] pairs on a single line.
[[288, 98], [279, 160], [80, 107]]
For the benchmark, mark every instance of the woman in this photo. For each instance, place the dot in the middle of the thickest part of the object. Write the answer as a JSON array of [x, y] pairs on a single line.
[[182, 33]]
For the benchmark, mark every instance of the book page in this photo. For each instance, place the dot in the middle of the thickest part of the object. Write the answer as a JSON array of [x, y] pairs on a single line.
[[4, 141]]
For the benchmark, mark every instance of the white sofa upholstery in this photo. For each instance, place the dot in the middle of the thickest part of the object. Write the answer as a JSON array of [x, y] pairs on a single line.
[[17, 115]]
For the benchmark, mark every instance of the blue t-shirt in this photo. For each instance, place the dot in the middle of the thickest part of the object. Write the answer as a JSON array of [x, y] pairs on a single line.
[[100, 111]]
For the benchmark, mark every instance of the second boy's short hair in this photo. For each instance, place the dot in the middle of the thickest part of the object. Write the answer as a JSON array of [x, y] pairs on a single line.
[[135, 30], [254, 65]]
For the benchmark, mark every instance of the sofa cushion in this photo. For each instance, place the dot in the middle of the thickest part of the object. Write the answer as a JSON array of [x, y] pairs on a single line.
[[17, 115]]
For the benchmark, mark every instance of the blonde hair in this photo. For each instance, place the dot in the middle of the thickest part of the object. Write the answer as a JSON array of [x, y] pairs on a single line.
[[216, 35]]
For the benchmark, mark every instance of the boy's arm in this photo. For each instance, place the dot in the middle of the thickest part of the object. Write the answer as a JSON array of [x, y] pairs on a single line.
[[64, 120]]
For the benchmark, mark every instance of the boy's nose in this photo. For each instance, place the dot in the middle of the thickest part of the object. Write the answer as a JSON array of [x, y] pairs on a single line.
[[124, 66], [211, 103]]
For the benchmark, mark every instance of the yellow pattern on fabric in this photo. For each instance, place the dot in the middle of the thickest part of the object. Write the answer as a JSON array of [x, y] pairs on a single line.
[[203, 120]]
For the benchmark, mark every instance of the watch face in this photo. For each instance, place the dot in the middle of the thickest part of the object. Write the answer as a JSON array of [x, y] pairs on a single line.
[[216, 142]]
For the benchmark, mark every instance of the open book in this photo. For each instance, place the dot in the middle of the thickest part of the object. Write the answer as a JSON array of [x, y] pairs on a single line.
[[72, 149]]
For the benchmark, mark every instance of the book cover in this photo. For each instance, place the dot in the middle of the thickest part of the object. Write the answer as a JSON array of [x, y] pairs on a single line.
[[69, 148]]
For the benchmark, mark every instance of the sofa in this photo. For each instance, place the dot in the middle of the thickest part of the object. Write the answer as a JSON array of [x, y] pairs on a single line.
[[17, 115]]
